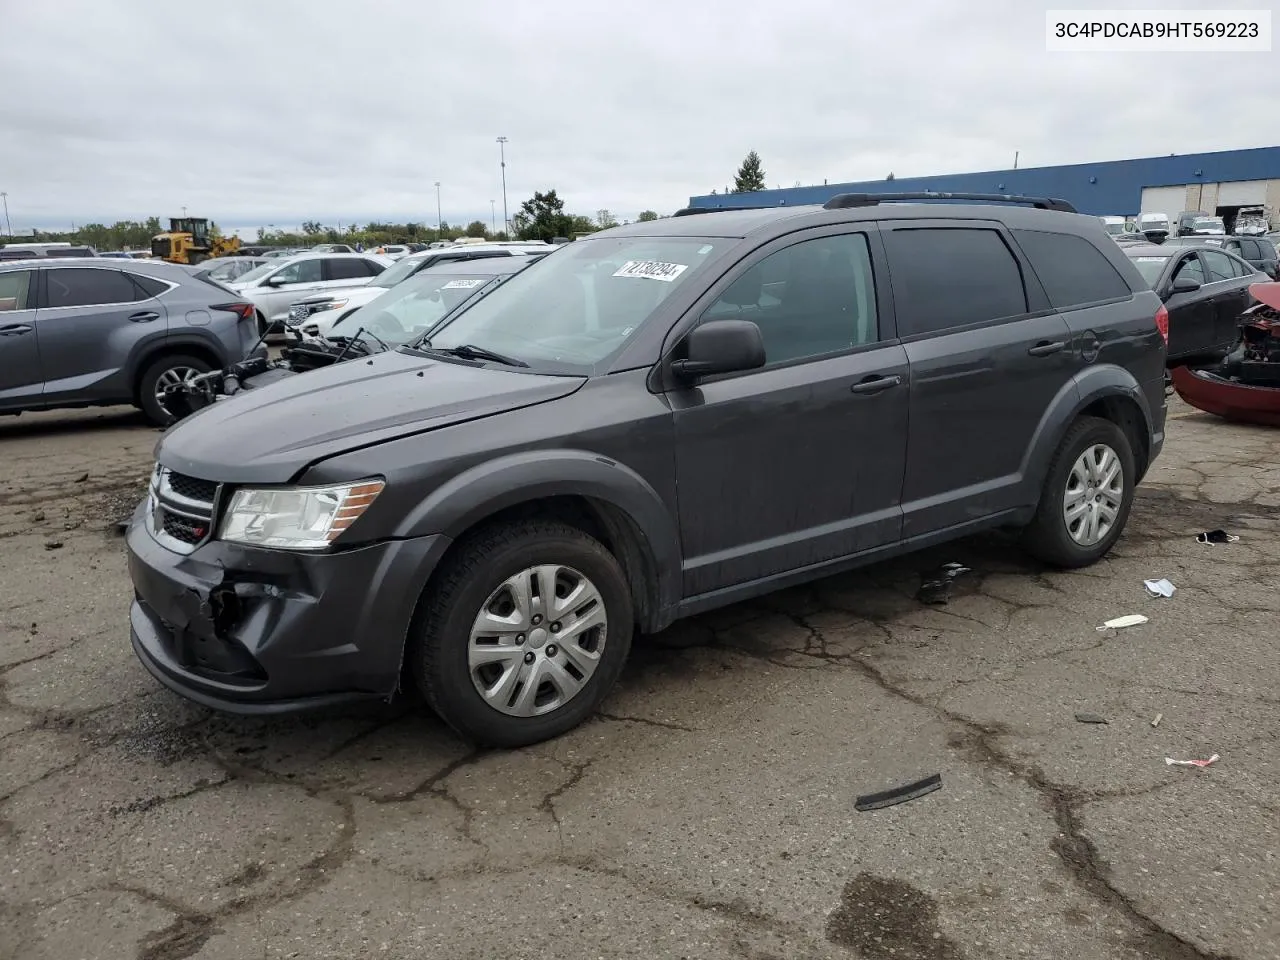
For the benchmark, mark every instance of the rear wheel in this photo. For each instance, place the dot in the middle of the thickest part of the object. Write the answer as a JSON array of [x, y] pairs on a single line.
[[168, 370], [523, 634], [1087, 495]]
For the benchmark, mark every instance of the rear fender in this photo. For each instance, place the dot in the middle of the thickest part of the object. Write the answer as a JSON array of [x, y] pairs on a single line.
[[1076, 395]]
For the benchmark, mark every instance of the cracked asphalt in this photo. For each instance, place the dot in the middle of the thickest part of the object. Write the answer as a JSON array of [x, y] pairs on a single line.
[[708, 812]]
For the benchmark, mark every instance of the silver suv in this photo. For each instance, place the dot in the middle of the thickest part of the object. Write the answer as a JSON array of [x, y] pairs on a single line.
[[279, 283], [98, 331]]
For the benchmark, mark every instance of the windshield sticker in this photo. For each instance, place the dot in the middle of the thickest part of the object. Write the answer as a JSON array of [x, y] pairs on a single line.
[[1151, 259], [462, 284], [651, 270]]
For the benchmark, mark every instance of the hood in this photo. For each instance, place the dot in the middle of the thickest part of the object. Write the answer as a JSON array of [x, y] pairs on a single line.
[[270, 434]]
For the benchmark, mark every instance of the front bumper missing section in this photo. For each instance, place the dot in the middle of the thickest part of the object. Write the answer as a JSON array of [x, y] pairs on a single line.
[[248, 630]]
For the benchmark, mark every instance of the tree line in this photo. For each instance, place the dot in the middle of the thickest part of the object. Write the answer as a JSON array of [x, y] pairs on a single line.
[[542, 217]]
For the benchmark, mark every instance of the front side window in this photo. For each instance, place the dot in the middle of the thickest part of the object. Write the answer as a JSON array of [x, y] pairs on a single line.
[[1190, 269], [573, 311], [947, 277], [811, 299], [301, 271], [14, 287], [89, 287], [1218, 264]]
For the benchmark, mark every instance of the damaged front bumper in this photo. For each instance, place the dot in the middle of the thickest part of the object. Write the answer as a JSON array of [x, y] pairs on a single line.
[[254, 631]]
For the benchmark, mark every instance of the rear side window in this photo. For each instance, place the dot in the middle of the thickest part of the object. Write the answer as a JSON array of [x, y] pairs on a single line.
[[340, 268], [13, 290], [89, 287], [1073, 271], [1243, 268], [952, 276], [150, 285], [373, 267]]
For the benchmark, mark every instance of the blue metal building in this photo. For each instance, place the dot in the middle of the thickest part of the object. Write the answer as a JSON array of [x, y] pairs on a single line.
[[1229, 178]]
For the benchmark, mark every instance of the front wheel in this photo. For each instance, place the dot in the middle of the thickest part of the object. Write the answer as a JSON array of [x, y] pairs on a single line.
[[523, 634], [1087, 495]]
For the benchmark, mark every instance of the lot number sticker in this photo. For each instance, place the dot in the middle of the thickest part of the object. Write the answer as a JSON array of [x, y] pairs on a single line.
[[651, 270], [461, 284]]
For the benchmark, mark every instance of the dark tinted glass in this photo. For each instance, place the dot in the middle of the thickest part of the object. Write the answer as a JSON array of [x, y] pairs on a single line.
[[951, 277], [343, 269], [87, 287], [814, 298], [1072, 269], [373, 268], [150, 285]]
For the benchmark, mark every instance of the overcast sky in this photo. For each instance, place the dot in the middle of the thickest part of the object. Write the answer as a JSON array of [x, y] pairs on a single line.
[[281, 111]]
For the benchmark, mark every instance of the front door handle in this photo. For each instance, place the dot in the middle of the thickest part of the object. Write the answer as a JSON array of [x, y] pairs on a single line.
[[1044, 349], [15, 329], [876, 384], [144, 317]]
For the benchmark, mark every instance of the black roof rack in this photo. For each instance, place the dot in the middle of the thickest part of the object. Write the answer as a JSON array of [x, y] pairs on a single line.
[[842, 201], [690, 211]]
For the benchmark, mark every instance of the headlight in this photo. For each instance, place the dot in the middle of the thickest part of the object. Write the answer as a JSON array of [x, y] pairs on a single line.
[[296, 518]]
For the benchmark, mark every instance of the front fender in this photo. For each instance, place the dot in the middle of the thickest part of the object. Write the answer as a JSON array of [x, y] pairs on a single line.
[[1085, 388], [492, 486]]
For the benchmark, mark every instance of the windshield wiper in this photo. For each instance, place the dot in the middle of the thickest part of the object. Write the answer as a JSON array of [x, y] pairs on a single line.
[[469, 351]]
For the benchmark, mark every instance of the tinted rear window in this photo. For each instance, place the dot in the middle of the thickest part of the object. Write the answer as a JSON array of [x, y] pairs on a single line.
[[1073, 271], [951, 277], [89, 287]]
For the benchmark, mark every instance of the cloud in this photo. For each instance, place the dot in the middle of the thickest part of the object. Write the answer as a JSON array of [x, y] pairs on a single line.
[[285, 111]]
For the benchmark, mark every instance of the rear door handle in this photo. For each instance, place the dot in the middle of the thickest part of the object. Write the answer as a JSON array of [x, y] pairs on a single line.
[[144, 317], [1047, 349], [14, 329], [876, 384]]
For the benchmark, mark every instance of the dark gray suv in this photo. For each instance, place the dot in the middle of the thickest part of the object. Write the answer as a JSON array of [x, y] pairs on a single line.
[[660, 419], [80, 333]]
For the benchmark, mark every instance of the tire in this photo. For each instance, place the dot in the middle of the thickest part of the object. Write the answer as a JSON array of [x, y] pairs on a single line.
[[1049, 536], [262, 324], [442, 637], [178, 363]]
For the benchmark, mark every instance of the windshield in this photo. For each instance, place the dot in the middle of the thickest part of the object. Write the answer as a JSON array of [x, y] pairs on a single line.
[[393, 275], [257, 273], [1114, 228], [572, 311], [406, 313], [1209, 223], [1150, 268]]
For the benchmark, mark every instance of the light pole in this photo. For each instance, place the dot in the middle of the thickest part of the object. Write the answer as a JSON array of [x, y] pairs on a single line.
[[439, 218], [493, 217], [502, 155], [8, 228]]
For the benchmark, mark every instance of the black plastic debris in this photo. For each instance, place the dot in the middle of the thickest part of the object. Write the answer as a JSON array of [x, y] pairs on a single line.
[[53, 545], [935, 585], [82, 478], [1216, 536], [910, 791], [1090, 718]]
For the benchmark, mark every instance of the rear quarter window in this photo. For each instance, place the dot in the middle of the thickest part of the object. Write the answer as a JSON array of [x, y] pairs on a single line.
[[1072, 270], [947, 277]]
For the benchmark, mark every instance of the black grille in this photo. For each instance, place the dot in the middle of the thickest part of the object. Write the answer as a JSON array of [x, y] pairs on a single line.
[[184, 528], [192, 488]]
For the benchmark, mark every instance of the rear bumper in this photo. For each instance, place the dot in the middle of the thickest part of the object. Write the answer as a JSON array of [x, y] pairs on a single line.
[[255, 631]]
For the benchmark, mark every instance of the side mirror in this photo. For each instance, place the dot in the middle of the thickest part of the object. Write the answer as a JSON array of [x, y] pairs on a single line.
[[1185, 285], [721, 346], [276, 281]]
